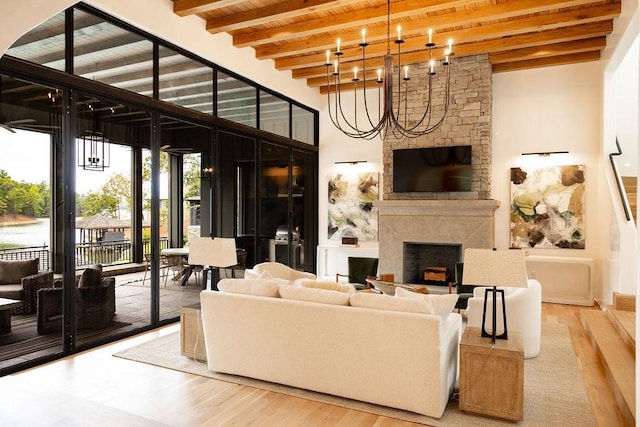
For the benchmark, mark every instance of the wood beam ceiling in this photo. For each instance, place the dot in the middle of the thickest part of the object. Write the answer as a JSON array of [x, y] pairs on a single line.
[[516, 34]]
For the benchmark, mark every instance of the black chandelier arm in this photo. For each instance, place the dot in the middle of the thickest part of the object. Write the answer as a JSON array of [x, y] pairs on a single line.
[[393, 118], [428, 128], [364, 86]]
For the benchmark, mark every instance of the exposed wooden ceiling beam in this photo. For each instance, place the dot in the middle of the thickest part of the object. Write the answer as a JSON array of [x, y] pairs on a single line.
[[338, 22], [557, 49], [577, 32], [193, 7], [349, 24], [498, 29], [286, 10], [546, 62]]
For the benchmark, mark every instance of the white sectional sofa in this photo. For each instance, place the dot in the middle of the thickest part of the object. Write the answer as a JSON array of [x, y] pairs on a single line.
[[404, 360]]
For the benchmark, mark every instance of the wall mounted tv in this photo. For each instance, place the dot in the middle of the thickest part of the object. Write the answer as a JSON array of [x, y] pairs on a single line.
[[433, 169]]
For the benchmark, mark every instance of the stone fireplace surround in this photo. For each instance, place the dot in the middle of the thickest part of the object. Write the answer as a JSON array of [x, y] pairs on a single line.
[[469, 223]]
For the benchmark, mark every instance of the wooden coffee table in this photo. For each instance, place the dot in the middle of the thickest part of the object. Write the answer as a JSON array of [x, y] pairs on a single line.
[[6, 305]]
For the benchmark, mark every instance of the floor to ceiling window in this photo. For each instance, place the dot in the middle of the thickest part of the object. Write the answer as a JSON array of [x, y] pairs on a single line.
[[159, 147]]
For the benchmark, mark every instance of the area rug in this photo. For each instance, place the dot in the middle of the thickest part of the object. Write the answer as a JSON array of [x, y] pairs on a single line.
[[554, 392]]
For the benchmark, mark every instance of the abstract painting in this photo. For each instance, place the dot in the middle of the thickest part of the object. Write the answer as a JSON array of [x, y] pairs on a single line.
[[548, 207], [351, 209]]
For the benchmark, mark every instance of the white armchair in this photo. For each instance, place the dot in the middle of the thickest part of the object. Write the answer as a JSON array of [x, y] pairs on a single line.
[[524, 313], [278, 271]]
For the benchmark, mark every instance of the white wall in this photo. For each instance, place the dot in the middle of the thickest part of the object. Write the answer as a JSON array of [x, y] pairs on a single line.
[[335, 147]]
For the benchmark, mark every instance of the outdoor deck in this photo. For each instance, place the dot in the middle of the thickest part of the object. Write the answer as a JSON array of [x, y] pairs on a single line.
[[133, 301]]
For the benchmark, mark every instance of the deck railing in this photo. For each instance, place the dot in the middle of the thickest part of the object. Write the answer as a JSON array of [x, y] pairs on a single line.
[[106, 253]]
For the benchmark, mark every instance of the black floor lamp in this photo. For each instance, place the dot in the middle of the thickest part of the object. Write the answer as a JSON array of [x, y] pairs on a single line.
[[493, 268]]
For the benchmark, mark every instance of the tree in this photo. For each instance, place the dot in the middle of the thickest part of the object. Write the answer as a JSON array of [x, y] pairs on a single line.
[[119, 188], [191, 175], [94, 203]]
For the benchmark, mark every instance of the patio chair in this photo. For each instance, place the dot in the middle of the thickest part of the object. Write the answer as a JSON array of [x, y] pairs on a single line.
[[163, 267], [95, 302], [21, 280]]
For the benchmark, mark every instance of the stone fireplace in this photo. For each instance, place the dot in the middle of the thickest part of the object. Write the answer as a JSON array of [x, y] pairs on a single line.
[[458, 223]]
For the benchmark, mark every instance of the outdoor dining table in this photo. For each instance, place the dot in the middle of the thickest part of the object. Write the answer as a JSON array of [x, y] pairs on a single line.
[[181, 252]]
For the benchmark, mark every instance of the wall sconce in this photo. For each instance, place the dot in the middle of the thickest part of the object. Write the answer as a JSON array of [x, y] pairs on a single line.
[[206, 172], [544, 153], [351, 162]]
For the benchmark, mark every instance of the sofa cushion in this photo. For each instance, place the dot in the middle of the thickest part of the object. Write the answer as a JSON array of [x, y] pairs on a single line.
[[259, 287], [13, 291], [323, 296], [91, 276], [12, 272], [441, 305], [326, 285], [387, 302]]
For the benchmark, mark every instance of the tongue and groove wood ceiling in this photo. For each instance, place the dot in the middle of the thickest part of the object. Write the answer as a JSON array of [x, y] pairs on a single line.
[[516, 34]]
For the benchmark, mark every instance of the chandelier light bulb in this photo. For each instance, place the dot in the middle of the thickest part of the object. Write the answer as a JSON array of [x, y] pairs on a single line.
[[394, 109], [328, 60]]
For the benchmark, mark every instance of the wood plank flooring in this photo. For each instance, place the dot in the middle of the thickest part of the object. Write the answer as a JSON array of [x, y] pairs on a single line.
[[95, 388]]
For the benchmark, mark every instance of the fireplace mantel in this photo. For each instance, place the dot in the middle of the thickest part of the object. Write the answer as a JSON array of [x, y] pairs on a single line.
[[437, 207], [469, 223]]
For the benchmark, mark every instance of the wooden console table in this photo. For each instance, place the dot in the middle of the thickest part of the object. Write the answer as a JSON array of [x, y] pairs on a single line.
[[492, 379], [191, 334]]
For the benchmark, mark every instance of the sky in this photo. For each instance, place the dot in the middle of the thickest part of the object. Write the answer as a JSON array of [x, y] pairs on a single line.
[[25, 157]]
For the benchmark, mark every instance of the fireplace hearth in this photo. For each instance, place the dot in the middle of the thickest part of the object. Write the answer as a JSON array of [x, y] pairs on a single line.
[[459, 224]]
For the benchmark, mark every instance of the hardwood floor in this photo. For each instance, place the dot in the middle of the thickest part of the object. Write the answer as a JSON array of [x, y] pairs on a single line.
[[95, 388]]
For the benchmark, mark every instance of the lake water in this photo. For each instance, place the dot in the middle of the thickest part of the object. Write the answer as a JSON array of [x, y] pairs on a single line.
[[28, 235]]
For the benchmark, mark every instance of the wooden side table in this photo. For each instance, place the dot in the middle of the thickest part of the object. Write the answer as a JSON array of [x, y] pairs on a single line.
[[191, 333], [492, 379]]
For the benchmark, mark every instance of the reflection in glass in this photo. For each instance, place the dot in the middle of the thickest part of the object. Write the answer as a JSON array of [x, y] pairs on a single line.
[[274, 114], [112, 55], [236, 100], [303, 125], [43, 45], [185, 82]]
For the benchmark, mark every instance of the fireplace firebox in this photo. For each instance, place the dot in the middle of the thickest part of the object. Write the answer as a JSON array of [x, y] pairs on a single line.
[[430, 263]]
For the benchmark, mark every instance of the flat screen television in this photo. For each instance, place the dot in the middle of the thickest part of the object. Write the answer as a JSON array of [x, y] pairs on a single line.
[[432, 169]]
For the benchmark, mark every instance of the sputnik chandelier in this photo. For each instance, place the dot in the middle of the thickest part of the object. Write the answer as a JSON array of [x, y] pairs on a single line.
[[390, 118]]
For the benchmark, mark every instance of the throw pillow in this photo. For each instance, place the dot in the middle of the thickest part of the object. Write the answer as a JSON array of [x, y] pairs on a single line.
[[387, 302], [91, 276], [322, 296], [440, 305], [326, 285], [12, 272], [266, 275], [258, 287]]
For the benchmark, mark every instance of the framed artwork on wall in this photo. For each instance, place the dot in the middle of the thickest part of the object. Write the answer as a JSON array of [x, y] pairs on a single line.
[[351, 211], [548, 207]]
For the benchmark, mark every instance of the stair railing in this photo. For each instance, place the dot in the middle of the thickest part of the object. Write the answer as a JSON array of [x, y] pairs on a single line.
[[621, 190]]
